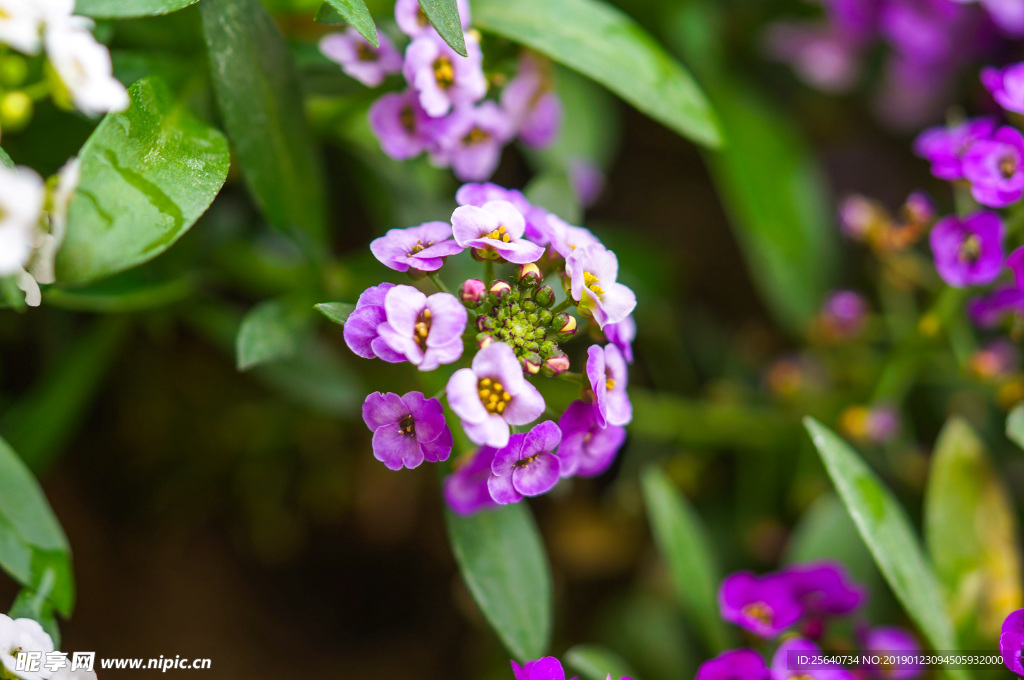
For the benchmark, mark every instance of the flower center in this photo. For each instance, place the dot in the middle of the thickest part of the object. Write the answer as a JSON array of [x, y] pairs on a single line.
[[970, 249], [476, 136], [444, 72], [610, 384], [422, 329], [499, 234], [589, 280], [524, 462], [493, 395], [1008, 166], [407, 426], [759, 611], [365, 52], [419, 247], [408, 119]]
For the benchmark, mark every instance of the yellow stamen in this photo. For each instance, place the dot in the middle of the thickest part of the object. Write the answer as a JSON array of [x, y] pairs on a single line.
[[444, 72], [493, 395]]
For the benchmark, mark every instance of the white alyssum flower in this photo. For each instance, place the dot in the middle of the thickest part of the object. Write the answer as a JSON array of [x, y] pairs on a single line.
[[23, 635], [21, 25], [21, 208], [84, 66]]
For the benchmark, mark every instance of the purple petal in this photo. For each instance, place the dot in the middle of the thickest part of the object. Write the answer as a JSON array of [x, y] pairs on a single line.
[[545, 437], [526, 405], [537, 477], [395, 449], [382, 409], [464, 397], [501, 489], [438, 449], [492, 431], [360, 330]]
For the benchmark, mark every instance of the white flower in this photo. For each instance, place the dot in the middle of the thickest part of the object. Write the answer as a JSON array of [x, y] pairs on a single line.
[[23, 635], [21, 208], [21, 23], [47, 243], [84, 66]]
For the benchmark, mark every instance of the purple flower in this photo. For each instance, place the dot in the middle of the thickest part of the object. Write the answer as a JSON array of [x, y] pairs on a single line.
[[361, 328], [593, 271], [1011, 641], [609, 375], [441, 77], [785, 664], [989, 311], [969, 251], [536, 217], [426, 330], [471, 138], [407, 430], [527, 465], [998, 359], [414, 23], [532, 105], [565, 238], [496, 227], [587, 181], [944, 147], [1007, 14], [763, 605], [493, 394], [359, 59], [402, 127], [622, 335], [587, 449], [845, 313], [465, 490], [824, 589], [1006, 86], [993, 167], [887, 640], [545, 668], [735, 664], [820, 55], [420, 248], [1016, 264]]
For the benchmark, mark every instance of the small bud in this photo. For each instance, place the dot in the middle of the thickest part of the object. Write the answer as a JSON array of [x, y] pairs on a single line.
[[499, 290], [531, 363], [13, 70], [545, 296], [485, 324], [504, 333], [548, 348], [529, 275], [555, 364], [544, 317], [15, 110], [472, 292], [532, 319], [564, 325], [484, 339], [532, 346], [567, 285], [529, 305]]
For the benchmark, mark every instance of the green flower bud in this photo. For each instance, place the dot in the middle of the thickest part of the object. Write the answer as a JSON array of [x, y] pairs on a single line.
[[545, 296]]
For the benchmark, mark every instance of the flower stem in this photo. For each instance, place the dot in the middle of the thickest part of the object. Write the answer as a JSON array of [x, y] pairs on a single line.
[[561, 306], [571, 376], [436, 280], [488, 272]]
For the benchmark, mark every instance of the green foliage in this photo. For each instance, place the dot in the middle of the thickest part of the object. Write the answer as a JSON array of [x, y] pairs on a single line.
[[337, 312], [272, 330], [127, 9], [594, 662], [1015, 426], [32, 604], [352, 12], [261, 103], [147, 175], [681, 538], [502, 559], [604, 44], [5, 160], [444, 16], [33, 548]]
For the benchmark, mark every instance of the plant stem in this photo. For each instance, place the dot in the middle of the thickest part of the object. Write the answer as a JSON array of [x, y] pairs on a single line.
[[488, 272], [436, 280], [561, 306], [571, 376]]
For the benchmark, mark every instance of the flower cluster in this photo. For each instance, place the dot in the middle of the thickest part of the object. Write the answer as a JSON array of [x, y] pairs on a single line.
[[33, 221], [930, 42], [544, 668], [26, 635], [443, 111], [802, 597], [516, 329], [82, 66]]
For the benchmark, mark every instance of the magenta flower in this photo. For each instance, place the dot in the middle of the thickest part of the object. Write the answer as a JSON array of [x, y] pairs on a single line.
[[991, 310], [969, 251], [545, 668], [413, 22], [359, 59], [421, 248], [821, 55], [609, 375], [407, 430], [361, 328], [944, 147], [735, 664], [1006, 86], [824, 589], [1007, 14], [496, 227], [593, 271], [763, 605], [425, 330], [493, 394], [471, 138], [587, 449], [622, 335], [785, 664], [531, 104], [565, 238], [465, 490], [587, 181], [402, 127], [536, 217], [890, 640], [845, 313], [527, 465], [1011, 641], [441, 77], [993, 167]]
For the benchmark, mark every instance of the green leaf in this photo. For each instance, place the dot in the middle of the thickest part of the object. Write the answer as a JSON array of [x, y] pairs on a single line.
[[261, 102], [444, 15], [552, 189], [5, 160], [1015, 426], [826, 532], [271, 330], [147, 175], [352, 12], [596, 663], [604, 44], [30, 604], [685, 548], [125, 9], [502, 559], [33, 548], [337, 312], [970, 529], [130, 291], [885, 528]]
